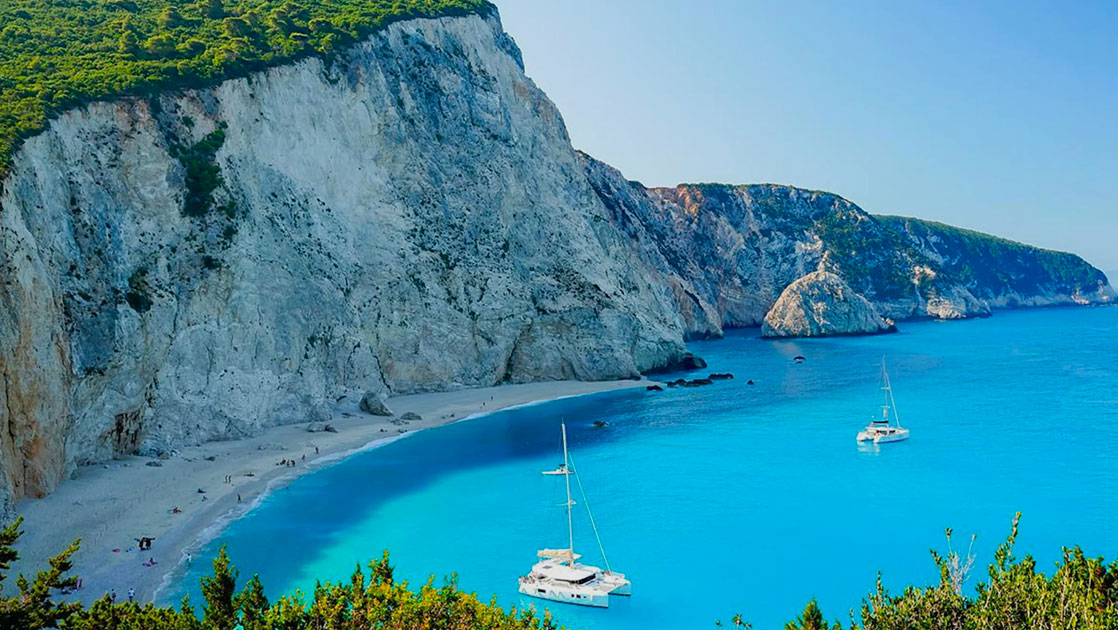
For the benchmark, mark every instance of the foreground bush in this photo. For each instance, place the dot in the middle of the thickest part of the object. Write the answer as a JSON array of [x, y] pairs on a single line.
[[1082, 593], [369, 600]]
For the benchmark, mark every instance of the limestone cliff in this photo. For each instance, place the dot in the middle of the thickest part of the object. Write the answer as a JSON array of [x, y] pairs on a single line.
[[407, 216], [410, 216], [821, 304], [727, 253]]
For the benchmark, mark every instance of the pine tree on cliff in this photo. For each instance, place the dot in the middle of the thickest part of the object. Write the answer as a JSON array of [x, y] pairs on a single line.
[[254, 606], [811, 619], [219, 591], [32, 607]]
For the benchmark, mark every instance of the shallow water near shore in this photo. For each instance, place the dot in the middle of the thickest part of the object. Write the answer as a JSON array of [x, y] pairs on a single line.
[[736, 498]]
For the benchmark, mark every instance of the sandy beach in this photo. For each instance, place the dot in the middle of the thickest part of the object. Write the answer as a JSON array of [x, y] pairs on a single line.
[[110, 506]]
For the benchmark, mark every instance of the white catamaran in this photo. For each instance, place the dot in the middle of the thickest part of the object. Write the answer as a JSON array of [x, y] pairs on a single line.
[[888, 428], [558, 576]]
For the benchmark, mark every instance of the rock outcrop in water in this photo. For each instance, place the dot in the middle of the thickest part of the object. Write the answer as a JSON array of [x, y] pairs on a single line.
[[821, 304], [407, 216]]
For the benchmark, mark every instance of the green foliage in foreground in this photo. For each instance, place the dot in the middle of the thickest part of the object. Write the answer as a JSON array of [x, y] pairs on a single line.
[[58, 54], [1081, 594], [369, 600]]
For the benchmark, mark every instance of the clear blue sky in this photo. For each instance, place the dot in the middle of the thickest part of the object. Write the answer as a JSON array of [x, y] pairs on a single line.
[[997, 116]]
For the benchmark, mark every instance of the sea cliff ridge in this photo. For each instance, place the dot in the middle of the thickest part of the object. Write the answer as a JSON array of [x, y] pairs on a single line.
[[407, 215]]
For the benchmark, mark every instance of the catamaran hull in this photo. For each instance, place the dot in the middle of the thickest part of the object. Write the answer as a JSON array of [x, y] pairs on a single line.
[[866, 436], [617, 583], [596, 599]]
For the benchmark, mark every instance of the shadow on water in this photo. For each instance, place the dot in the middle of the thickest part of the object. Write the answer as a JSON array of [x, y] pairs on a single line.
[[297, 524], [299, 521]]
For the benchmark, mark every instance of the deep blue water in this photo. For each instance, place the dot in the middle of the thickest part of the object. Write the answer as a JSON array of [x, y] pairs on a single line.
[[737, 498]]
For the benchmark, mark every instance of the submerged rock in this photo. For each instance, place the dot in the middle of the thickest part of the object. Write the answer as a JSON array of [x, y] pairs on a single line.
[[821, 304]]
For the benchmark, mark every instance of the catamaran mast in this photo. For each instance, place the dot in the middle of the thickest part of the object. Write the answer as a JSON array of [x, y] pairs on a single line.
[[570, 503], [885, 388], [890, 402]]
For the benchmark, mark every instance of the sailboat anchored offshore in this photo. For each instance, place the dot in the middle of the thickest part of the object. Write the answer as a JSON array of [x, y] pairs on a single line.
[[558, 576], [888, 428]]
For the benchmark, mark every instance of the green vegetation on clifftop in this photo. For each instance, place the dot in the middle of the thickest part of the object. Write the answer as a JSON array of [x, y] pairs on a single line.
[[1022, 267], [59, 54]]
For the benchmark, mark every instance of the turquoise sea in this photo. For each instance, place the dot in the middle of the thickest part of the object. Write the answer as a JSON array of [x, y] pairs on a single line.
[[737, 498]]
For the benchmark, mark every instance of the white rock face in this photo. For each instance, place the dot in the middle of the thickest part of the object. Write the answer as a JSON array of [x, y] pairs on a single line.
[[721, 249], [956, 303], [821, 304], [411, 217], [728, 252]]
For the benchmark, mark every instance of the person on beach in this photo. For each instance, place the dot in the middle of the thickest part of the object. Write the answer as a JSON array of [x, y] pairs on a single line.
[[316, 450], [238, 497], [112, 595], [131, 594], [188, 559]]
